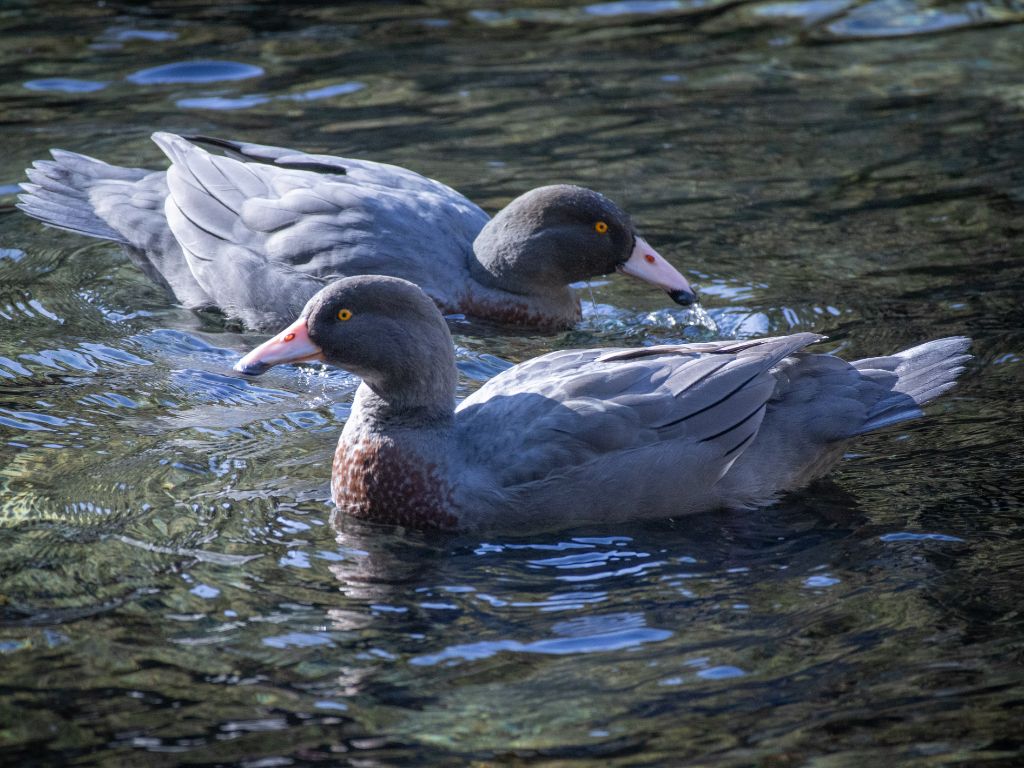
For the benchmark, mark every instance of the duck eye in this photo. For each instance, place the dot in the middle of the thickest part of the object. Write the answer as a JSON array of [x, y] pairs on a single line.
[[344, 314], [601, 227]]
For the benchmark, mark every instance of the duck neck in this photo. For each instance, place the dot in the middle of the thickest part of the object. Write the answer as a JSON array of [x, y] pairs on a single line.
[[374, 410], [419, 394], [506, 258], [513, 287], [394, 461]]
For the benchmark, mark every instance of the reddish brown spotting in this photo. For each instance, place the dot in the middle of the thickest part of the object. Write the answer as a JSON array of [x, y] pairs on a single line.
[[373, 480], [515, 313]]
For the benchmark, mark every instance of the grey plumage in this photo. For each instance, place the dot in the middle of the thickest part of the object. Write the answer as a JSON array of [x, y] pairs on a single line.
[[263, 239], [59, 192], [921, 374], [608, 434], [125, 205], [257, 233], [675, 430]]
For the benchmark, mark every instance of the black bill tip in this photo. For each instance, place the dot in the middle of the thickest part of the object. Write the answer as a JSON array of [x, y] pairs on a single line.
[[685, 297], [251, 369]]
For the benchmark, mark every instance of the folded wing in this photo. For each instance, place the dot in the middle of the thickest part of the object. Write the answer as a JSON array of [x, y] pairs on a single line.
[[567, 409], [262, 238]]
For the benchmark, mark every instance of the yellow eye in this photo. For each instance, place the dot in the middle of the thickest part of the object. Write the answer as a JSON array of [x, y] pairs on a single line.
[[344, 314], [601, 227]]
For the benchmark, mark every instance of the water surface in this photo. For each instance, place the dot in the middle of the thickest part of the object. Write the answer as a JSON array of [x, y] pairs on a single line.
[[173, 589]]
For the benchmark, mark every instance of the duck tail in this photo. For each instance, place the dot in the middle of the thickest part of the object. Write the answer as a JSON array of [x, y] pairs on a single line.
[[921, 373], [57, 192]]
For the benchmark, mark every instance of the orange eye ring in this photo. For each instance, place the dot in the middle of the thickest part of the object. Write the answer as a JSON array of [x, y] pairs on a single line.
[[344, 314], [601, 227]]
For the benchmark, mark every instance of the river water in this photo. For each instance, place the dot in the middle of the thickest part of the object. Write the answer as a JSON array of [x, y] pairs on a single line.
[[172, 588]]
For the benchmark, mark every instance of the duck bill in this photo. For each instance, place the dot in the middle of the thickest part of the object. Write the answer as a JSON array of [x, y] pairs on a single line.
[[648, 265], [292, 345]]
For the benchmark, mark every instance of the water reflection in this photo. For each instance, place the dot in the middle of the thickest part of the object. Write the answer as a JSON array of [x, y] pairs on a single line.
[[64, 85], [195, 72], [172, 585]]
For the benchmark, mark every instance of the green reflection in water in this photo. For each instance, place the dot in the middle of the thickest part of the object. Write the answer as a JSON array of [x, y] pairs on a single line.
[[172, 589]]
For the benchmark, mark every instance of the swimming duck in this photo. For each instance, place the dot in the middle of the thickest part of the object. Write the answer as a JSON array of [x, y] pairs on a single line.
[[585, 435], [257, 234]]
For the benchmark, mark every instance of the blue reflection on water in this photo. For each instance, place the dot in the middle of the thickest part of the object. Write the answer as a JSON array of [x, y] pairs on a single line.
[[908, 536], [588, 634], [627, 7], [338, 89], [65, 85], [221, 102], [203, 71]]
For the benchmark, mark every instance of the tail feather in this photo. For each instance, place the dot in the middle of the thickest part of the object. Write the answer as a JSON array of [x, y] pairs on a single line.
[[916, 376], [48, 181], [930, 365], [126, 205], [58, 192], [56, 212]]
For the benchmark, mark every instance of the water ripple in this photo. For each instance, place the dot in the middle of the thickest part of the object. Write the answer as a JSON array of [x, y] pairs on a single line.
[[208, 387], [221, 102], [591, 634], [902, 18], [65, 85], [124, 35], [200, 71], [871, 191]]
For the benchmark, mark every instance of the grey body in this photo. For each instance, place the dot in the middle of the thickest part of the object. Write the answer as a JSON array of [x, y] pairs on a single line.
[[602, 435], [257, 234], [678, 430]]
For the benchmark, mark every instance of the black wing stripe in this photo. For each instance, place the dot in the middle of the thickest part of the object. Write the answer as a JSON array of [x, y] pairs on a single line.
[[712, 405], [201, 228]]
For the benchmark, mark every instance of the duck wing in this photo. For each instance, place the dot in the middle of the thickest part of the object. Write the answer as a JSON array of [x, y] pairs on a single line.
[[821, 402], [622, 434], [557, 413], [262, 237], [358, 171], [258, 233]]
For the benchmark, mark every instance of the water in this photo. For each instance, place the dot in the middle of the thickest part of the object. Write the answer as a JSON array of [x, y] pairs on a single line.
[[172, 587]]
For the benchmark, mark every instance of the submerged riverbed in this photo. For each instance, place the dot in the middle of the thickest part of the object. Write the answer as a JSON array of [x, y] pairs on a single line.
[[172, 588]]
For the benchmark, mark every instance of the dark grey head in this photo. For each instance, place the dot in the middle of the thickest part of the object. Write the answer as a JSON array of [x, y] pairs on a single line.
[[383, 329], [552, 236]]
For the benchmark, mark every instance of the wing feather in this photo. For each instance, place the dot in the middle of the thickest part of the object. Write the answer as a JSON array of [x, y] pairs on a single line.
[[262, 237], [569, 409]]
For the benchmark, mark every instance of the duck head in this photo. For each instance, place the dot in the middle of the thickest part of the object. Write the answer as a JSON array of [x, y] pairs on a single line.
[[383, 329], [552, 236]]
